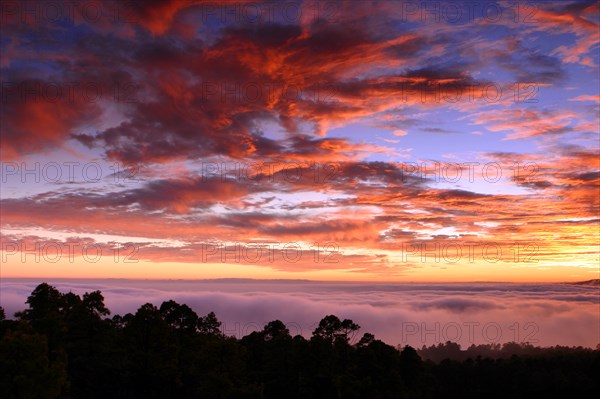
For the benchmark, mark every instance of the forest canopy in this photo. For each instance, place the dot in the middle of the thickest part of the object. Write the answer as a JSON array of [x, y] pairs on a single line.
[[68, 346]]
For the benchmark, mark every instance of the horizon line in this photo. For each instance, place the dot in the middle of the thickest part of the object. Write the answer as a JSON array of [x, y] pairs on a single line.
[[283, 280]]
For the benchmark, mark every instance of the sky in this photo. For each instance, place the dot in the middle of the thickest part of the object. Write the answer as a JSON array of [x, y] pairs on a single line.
[[333, 141]]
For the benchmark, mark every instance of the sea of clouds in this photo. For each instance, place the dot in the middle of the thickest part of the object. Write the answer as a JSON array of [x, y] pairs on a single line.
[[400, 314]]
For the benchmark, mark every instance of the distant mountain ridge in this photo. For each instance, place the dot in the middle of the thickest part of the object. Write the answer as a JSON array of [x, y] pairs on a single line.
[[593, 282]]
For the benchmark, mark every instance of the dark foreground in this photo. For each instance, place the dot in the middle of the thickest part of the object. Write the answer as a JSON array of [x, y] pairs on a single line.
[[66, 346]]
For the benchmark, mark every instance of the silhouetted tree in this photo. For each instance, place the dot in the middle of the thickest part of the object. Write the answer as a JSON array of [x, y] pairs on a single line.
[[46, 315], [209, 324], [331, 328], [179, 317]]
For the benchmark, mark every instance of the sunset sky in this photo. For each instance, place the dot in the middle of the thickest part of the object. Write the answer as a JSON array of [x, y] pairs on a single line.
[[333, 141]]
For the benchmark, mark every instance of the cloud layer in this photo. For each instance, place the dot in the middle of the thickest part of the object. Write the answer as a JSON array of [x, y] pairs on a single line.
[[415, 314]]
